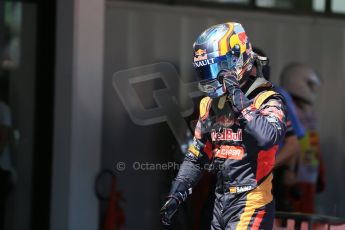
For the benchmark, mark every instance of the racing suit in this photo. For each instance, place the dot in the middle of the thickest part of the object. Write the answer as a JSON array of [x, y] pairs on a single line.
[[241, 151]]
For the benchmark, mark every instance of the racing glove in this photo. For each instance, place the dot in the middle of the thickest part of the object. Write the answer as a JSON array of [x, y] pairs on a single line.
[[178, 194], [230, 85]]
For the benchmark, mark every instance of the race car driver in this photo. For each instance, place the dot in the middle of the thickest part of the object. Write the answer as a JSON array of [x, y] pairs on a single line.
[[241, 122]]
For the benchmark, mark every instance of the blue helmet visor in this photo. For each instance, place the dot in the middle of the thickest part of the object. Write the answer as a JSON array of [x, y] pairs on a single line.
[[208, 69]]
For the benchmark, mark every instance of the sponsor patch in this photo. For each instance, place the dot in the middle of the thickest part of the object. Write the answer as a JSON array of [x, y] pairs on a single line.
[[200, 55], [227, 134], [232, 189], [203, 62], [240, 189], [230, 152]]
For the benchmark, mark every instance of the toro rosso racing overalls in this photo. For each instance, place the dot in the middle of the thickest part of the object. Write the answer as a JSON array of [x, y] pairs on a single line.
[[241, 151]]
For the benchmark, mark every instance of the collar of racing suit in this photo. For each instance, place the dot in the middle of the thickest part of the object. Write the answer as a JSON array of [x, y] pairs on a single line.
[[253, 83]]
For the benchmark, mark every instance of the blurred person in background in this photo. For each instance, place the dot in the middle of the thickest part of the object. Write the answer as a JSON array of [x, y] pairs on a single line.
[[284, 181], [303, 83], [241, 122]]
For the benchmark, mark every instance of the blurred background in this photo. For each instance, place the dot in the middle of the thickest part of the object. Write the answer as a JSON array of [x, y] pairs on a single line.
[[69, 147]]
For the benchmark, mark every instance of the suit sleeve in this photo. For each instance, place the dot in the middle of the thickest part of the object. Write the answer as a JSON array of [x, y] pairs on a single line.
[[198, 155], [268, 123]]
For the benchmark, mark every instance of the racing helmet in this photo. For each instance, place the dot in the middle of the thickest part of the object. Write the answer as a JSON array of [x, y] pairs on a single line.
[[301, 81], [222, 47]]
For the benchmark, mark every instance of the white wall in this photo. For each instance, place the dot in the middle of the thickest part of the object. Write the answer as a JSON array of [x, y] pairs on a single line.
[[138, 34]]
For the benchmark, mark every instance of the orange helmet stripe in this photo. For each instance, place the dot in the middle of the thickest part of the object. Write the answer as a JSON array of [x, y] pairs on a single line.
[[223, 43]]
